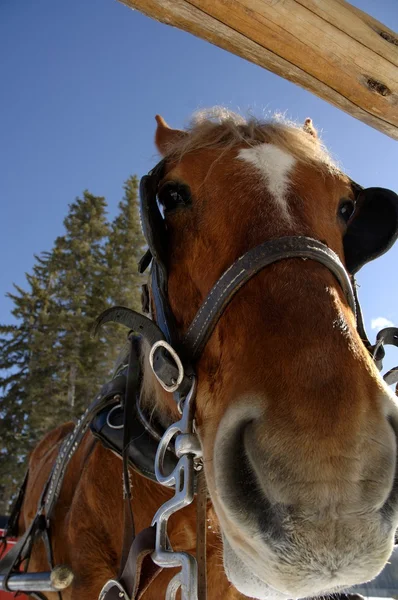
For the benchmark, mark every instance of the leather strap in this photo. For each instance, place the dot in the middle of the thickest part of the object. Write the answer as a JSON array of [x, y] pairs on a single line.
[[14, 557], [132, 383], [139, 324], [23, 548], [391, 377], [139, 570], [11, 529], [163, 364], [245, 268], [360, 322], [387, 336], [201, 534], [154, 230], [72, 441]]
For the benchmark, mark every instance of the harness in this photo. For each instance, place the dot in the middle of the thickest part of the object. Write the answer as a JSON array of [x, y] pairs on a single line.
[[172, 457]]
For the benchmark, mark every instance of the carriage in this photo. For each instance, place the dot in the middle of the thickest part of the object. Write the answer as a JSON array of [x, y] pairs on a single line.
[[10, 543]]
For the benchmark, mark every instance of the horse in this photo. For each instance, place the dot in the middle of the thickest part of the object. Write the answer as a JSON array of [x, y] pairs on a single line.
[[297, 428]]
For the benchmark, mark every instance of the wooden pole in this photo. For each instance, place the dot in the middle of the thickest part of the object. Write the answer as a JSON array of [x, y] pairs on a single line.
[[328, 47]]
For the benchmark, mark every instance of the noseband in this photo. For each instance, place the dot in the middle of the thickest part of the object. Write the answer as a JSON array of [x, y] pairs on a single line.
[[231, 281]]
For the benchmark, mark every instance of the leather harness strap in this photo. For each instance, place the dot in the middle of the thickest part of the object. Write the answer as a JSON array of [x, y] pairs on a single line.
[[201, 534], [132, 383], [40, 525], [388, 337], [245, 268], [139, 570]]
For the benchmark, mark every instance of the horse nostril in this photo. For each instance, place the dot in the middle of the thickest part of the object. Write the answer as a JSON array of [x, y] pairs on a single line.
[[268, 516]]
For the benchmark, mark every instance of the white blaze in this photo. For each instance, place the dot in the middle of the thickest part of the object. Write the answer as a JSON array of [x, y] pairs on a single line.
[[275, 166]]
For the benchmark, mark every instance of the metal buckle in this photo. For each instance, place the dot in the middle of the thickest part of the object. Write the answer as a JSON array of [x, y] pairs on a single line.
[[108, 420], [177, 360], [111, 584], [182, 477]]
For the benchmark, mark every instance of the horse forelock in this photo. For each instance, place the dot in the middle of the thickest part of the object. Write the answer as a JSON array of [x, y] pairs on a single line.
[[219, 128]]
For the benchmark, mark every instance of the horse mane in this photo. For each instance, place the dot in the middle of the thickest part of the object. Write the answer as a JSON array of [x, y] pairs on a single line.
[[220, 128]]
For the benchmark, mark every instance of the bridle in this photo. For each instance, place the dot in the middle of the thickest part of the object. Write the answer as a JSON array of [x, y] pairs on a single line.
[[173, 358]]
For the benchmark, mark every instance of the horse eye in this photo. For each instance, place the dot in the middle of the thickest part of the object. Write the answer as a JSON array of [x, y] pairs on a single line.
[[346, 210], [173, 195]]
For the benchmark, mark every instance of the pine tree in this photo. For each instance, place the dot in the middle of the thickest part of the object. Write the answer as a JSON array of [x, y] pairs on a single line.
[[80, 288], [16, 406], [124, 250], [51, 365], [14, 439]]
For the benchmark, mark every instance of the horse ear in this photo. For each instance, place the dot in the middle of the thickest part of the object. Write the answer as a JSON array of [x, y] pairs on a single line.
[[166, 137], [309, 128], [373, 228]]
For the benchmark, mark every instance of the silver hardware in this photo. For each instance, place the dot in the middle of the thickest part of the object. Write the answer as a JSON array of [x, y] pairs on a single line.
[[391, 377], [188, 443], [108, 419], [109, 585], [180, 405], [198, 464], [40, 582], [182, 477], [379, 343], [170, 350]]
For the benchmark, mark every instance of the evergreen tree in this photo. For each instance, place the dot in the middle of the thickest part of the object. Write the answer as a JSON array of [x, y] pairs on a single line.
[[124, 250], [50, 363], [16, 404], [80, 287]]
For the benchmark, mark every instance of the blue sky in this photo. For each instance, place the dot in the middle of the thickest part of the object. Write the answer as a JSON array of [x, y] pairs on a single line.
[[80, 85]]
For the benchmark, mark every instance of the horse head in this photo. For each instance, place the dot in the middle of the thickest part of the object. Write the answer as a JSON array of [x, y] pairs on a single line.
[[298, 429]]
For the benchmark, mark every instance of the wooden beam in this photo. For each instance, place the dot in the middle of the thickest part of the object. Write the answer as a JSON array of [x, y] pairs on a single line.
[[326, 46]]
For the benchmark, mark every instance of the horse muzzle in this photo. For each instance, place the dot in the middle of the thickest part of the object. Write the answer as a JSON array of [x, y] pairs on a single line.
[[301, 527]]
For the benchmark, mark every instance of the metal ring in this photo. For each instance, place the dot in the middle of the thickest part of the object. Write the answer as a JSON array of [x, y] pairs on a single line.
[[180, 405], [108, 422], [177, 360], [112, 583]]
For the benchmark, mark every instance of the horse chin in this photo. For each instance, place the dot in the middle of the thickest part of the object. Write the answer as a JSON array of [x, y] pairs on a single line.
[[243, 578], [239, 569]]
